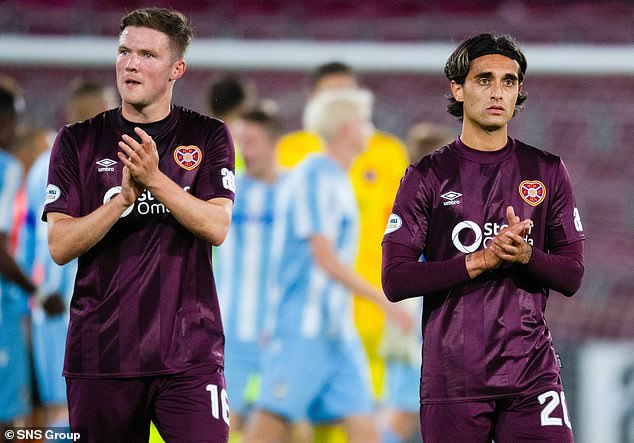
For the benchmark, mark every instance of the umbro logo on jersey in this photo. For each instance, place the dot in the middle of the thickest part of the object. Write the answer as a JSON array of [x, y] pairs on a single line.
[[451, 197], [188, 157], [532, 191], [106, 165]]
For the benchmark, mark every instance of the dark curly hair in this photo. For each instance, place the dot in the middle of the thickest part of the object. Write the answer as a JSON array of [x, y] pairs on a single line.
[[168, 21], [459, 63]]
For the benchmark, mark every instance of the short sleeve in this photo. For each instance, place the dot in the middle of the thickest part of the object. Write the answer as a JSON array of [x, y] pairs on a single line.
[[63, 190], [217, 176]]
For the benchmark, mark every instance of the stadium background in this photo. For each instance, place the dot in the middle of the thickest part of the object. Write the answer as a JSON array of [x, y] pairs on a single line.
[[580, 84]]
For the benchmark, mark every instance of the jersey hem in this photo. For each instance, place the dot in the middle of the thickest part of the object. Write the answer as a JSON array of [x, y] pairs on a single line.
[[142, 374], [489, 397]]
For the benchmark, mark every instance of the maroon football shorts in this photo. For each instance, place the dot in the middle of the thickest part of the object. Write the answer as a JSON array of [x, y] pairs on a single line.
[[190, 406], [540, 417]]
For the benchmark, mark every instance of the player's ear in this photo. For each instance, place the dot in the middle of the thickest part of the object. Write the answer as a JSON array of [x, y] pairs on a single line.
[[178, 69], [456, 90]]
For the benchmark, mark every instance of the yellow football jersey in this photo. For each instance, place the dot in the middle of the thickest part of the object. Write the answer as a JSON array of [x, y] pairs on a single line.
[[375, 176]]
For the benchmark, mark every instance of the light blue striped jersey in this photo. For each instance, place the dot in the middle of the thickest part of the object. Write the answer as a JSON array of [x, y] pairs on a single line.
[[10, 182], [243, 261], [317, 199], [33, 248]]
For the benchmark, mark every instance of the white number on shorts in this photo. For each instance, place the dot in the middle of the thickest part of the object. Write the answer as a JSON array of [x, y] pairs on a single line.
[[217, 401], [547, 420]]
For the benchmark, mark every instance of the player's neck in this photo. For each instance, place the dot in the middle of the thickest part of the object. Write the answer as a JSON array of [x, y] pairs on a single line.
[[145, 114], [341, 152], [483, 139]]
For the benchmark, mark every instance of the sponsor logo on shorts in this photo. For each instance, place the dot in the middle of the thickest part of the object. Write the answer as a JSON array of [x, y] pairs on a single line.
[[188, 157], [532, 191], [52, 194], [394, 222], [451, 198], [106, 165]]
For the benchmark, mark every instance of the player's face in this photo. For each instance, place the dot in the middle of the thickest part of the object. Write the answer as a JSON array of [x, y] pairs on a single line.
[[359, 130], [339, 80], [146, 68], [489, 92], [257, 147]]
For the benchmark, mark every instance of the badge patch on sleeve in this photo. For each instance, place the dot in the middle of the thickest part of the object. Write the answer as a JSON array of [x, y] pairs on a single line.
[[532, 191], [188, 157], [52, 194], [393, 223]]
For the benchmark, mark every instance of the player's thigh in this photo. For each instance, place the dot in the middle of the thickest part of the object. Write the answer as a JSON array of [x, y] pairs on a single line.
[[107, 410], [465, 422], [541, 417], [193, 406], [294, 374]]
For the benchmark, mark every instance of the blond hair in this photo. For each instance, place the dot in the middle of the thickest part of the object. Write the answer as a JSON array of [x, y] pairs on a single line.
[[329, 110]]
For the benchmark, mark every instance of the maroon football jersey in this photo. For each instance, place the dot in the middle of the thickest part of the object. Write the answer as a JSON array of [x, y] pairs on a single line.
[[486, 338], [145, 300]]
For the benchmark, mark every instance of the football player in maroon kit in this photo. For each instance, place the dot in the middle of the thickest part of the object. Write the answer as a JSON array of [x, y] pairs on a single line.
[[497, 224], [140, 194]]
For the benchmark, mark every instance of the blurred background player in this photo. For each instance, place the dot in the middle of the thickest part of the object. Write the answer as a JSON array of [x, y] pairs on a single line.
[[15, 388], [375, 175], [401, 350], [314, 366], [229, 97], [243, 261], [85, 100]]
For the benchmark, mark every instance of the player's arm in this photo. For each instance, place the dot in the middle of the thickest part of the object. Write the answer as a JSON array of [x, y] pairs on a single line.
[[209, 219], [10, 270], [69, 237], [404, 276], [327, 259]]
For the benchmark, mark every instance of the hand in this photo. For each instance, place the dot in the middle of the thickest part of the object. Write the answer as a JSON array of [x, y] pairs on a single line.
[[53, 304], [510, 244], [141, 159], [130, 189], [400, 317]]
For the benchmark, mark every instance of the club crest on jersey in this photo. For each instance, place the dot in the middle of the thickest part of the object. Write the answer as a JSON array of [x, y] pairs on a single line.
[[188, 157], [532, 191]]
